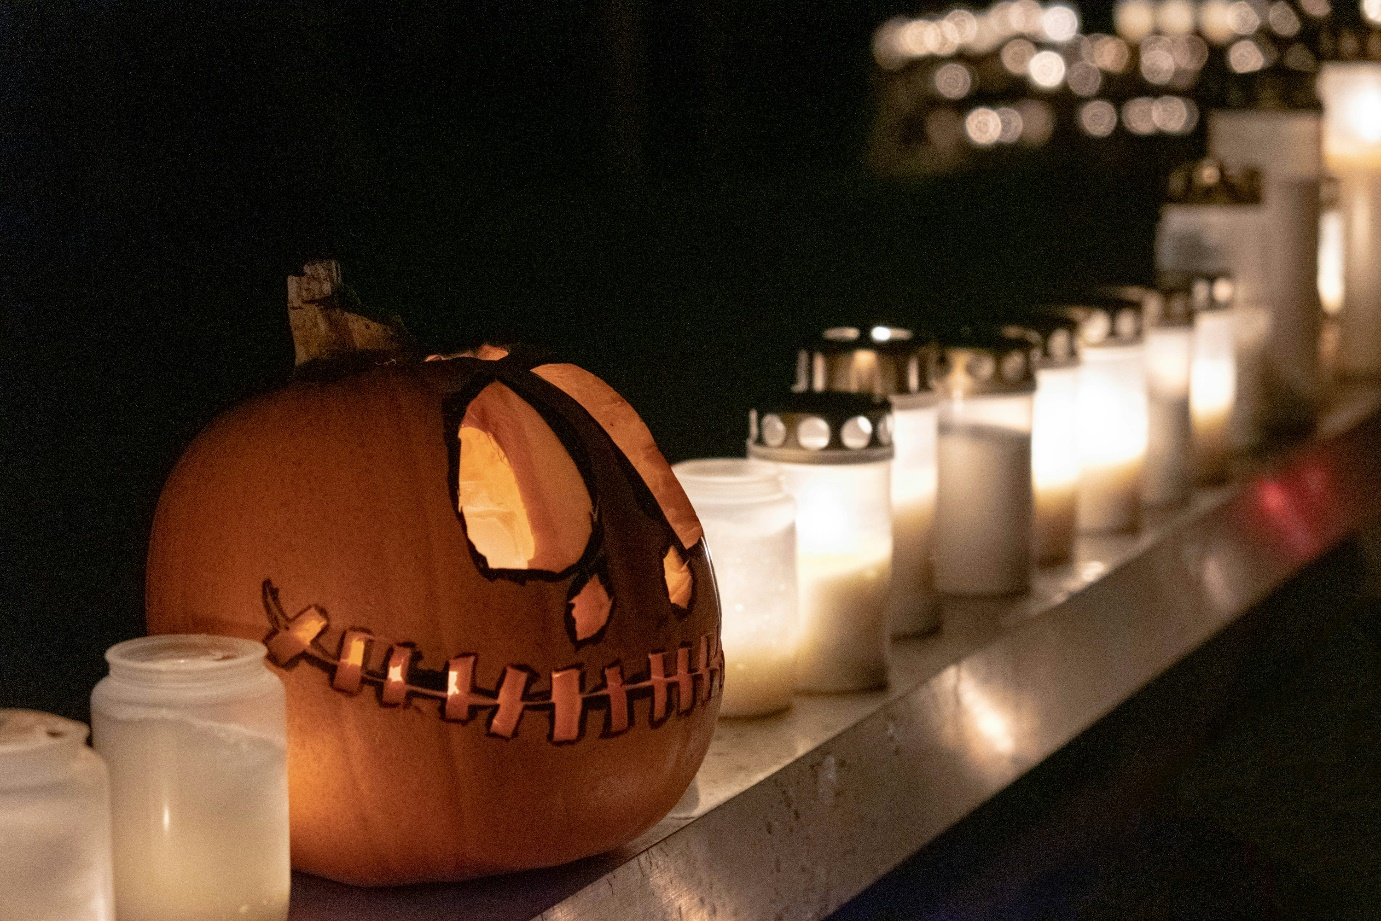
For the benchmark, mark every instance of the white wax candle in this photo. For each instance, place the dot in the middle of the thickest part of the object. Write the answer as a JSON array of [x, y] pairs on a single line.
[[1112, 437], [1168, 475], [983, 514], [1213, 392], [913, 608], [844, 573], [843, 613], [1055, 462], [750, 534], [1359, 201]]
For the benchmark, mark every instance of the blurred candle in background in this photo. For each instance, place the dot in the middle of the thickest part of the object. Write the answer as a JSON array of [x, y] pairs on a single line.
[[1331, 283], [194, 730], [1351, 94], [891, 362], [1213, 378], [54, 822], [750, 530], [1169, 336], [1214, 224], [984, 506], [1112, 415], [1055, 434], [834, 452], [1280, 376]]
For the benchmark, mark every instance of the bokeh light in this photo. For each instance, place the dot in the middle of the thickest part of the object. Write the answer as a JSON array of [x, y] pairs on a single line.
[[983, 127], [1059, 23], [1138, 116], [1016, 55], [1098, 118], [1047, 69], [953, 80], [1083, 78], [1175, 17], [1134, 19]]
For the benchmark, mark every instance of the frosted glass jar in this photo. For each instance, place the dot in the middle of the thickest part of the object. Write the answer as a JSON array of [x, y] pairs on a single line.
[[194, 731], [1169, 474], [1213, 377], [893, 362], [984, 505], [1112, 416], [1351, 94], [835, 457], [750, 531], [54, 822]]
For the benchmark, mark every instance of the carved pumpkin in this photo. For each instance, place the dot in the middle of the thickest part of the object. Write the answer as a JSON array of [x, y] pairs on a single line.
[[482, 586]]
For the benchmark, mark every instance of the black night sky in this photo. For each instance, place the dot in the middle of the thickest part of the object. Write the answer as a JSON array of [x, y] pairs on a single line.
[[668, 194]]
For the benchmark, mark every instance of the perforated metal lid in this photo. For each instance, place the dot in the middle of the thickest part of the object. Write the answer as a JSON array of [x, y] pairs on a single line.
[[821, 428], [975, 362], [1055, 337], [1210, 182], [881, 360], [1110, 316]]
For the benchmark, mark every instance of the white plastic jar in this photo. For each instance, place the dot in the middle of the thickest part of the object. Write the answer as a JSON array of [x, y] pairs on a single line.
[[984, 505], [54, 822], [835, 457], [194, 730], [1169, 475], [1213, 379], [750, 532]]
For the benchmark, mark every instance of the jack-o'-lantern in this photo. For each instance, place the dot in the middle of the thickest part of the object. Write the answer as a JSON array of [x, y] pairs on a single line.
[[484, 589]]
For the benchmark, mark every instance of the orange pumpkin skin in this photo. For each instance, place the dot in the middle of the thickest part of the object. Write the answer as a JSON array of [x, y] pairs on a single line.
[[337, 493]]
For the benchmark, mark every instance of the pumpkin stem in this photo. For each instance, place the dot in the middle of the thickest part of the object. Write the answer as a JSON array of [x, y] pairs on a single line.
[[328, 322]]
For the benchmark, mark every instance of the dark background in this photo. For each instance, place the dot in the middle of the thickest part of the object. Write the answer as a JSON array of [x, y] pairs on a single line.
[[669, 194]]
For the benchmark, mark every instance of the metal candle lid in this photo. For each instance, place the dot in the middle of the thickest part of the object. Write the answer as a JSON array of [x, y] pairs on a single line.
[[978, 363], [1209, 182], [1055, 337], [1113, 316], [821, 428], [881, 360], [1174, 307], [1212, 292]]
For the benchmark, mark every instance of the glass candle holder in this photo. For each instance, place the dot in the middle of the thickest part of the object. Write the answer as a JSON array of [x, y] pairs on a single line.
[[1169, 338], [835, 456], [1055, 461], [750, 531], [1351, 94], [984, 506], [892, 362], [1213, 377], [1113, 422], [54, 822], [194, 731], [1281, 378]]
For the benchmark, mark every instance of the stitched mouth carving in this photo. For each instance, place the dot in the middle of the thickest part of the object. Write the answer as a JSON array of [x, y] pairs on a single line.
[[674, 681]]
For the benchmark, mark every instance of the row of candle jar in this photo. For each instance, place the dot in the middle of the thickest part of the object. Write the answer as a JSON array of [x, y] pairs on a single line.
[[181, 811], [855, 510]]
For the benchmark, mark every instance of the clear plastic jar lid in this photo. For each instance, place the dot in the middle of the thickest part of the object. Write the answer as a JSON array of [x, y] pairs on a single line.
[[37, 747], [730, 478], [185, 660]]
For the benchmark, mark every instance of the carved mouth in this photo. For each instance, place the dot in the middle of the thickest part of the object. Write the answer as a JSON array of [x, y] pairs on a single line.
[[690, 680]]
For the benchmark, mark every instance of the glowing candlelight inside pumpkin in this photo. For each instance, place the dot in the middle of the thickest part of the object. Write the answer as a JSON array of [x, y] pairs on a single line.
[[1351, 94], [54, 821], [193, 729], [750, 532], [834, 453]]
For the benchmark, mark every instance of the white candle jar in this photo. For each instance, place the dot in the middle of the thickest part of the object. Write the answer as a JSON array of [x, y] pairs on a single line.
[[54, 822], [835, 456], [1169, 337], [1055, 461], [891, 362], [1213, 376], [984, 506], [1113, 423], [1351, 94], [750, 532], [194, 731], [1280, 378]]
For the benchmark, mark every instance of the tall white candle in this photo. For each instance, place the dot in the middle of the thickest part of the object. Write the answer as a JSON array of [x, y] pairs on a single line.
[[54, 822], [835, 456], [750, 531], [1213, 382], [1112, 417], [984, 506], [1280, 376], [1351, 94], [194, 729], [1169, 455], [912, 604]]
